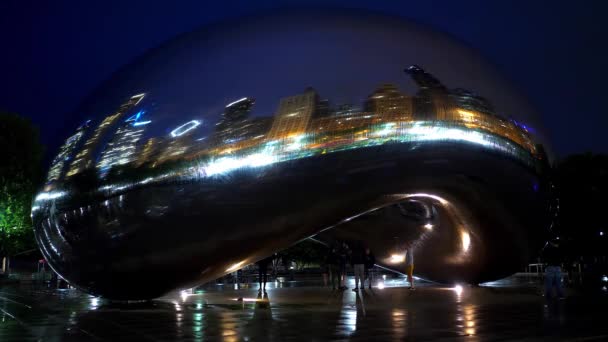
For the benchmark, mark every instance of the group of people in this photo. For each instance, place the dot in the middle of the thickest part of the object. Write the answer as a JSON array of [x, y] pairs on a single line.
[[339, 256], [358, 256]]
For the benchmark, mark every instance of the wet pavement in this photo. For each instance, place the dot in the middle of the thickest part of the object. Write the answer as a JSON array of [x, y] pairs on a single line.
[[309, 313]]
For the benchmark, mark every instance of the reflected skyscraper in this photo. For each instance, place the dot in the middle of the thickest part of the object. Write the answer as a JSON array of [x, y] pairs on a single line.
[[148, 151], [323, 109], [230, 128], [293, 115], [468, 100], [432, 101], [122, 147], [346, 109], [390, 104], [179, 141], [84, 158], [65, 153]]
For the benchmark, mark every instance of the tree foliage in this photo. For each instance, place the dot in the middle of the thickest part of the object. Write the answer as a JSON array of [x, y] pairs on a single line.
[[582, 183], [304, 253], [20, 175]]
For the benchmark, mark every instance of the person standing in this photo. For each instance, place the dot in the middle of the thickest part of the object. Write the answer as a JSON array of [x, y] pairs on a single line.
[[369, 262], [343, 256], [553, 271], [333, 267], [357, 260], [263, 271], [409, 265]]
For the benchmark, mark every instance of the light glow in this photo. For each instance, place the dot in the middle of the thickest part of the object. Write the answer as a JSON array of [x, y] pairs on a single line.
[[142, 123], [458, 289], [435, 197], [397, 258], [183, 129], [466, 241], [227, 164], [247, 299], [235, 266], [428, 226], [50, 195], [235, 102]]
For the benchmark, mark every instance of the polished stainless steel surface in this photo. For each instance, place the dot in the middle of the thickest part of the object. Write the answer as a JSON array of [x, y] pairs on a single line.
[[230, 143]]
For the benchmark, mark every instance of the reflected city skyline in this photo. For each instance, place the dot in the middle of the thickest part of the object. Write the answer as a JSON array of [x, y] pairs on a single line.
[[303, 125]]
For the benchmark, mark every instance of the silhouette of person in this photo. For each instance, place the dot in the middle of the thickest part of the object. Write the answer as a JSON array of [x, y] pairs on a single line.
[[551, 255], [357, 260], [333, 266], [409, 265], [369, 262], [343, 257], [263, 271]]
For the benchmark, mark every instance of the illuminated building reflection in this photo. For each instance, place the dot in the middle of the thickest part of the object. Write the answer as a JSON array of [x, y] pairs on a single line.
[[303, 126]]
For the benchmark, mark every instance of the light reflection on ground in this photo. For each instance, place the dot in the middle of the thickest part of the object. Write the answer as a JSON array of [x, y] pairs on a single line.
[[301, 312]]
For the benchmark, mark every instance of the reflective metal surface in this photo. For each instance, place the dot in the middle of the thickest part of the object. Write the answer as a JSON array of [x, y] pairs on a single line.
[[214, 151]]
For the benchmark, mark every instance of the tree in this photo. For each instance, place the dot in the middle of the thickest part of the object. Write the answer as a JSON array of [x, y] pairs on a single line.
[[582, 183], [304, 253], [20, 175]]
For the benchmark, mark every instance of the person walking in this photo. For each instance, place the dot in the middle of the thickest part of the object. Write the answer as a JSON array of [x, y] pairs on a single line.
[[369, 262], [551, 255], [409, 265], [263, 271], [357, 260]]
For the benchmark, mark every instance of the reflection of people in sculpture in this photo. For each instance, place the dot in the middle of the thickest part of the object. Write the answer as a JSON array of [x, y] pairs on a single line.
[[370, 261], [262, 302], [409, 265], [343, 256], [357, 260], [332, 264], [263, 271]]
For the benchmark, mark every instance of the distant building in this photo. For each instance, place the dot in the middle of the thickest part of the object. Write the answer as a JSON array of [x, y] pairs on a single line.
[[84, 158], [390, 104], [294, 115], [65, 154]]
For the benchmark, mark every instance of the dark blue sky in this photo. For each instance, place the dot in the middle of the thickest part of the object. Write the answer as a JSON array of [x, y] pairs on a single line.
[[55, 54]]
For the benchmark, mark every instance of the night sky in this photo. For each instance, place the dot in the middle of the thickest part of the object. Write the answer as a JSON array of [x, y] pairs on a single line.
[[55, 54]]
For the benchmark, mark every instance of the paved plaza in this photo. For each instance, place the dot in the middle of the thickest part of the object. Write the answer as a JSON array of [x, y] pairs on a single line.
[[292, 311]]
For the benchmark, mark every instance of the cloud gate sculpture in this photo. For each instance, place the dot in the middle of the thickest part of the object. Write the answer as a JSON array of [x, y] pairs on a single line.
[[228, 144]]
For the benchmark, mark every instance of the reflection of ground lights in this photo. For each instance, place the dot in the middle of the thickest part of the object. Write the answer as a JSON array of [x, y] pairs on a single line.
[[94, 303], [469, 320], [458, 290]]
